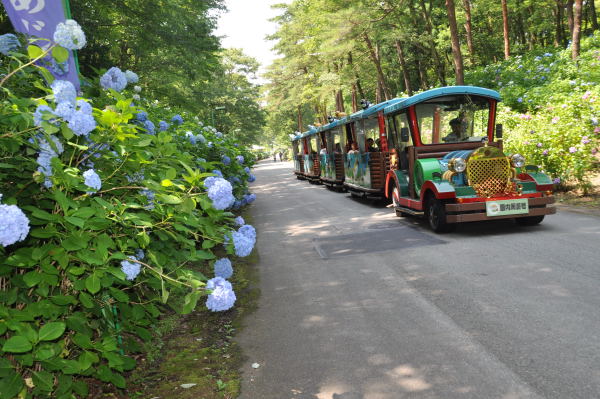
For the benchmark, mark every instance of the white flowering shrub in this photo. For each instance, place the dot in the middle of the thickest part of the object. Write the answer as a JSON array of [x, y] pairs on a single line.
[[103, 211]]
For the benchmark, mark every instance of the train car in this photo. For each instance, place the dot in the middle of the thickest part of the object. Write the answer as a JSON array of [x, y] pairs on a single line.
[[331, 153], [447, 164], [365, 153], [311, 144], [298, 156]]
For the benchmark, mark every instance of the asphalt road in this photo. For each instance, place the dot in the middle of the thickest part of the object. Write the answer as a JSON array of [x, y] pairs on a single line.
[[358, 303]]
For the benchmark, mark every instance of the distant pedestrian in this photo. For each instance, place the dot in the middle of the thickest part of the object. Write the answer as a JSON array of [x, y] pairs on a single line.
[[274, 157], [280, 156]]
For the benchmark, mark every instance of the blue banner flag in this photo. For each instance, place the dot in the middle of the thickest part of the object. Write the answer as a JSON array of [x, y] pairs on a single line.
[[39, 18]]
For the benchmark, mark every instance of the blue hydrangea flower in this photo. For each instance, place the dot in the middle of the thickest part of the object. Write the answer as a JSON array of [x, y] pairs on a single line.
[[239, 221], [200, 138], [64, 110], [190, 136], [234, 180], [221, 193], [84, 106], [136, 97], [210, 144], [226, 160], [162, 126], [69, 35], [131, 269], [240, 159], [81, 123], [137, 89], [237, 204], [242, 244], [59, 68], [248, 231], [8, 43], [14, 225], [114, 79], [63, 90], [251, 178], [139, 254], [247, 170], [131, 76], [218, 173], [209, 181], [177, 119], [137, 177], [149, 126], [92, 180], [219, 135], [223, 268], [222, 296], [250, 198], [149, 197], [38, 115], [141, 116]]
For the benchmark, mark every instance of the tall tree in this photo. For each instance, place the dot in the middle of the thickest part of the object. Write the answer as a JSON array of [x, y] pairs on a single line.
[[469, 30], [576, 29], [402, 60], [456, 54], [593, 16], [570, 18], [505, 30]]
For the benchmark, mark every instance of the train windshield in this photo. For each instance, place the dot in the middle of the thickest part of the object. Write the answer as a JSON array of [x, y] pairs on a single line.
[[453, 119]]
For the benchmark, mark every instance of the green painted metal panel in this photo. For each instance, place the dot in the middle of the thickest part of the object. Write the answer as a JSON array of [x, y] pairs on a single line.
[[424, 170]]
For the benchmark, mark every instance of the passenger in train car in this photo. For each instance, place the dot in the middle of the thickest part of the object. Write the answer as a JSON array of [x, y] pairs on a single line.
[[323, 151], [457, 131], [394, 160], [371, 145], [353, 148], [338, 148]]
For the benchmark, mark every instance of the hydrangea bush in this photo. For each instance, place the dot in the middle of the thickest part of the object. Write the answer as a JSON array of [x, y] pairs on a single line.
[[551, 109], [101, 216]]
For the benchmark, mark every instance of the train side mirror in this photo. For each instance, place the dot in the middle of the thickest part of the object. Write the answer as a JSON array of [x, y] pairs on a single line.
[[499, 131], [404, 134]]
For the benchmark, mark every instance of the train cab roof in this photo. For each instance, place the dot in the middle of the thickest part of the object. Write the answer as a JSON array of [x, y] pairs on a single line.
[[440, 92]]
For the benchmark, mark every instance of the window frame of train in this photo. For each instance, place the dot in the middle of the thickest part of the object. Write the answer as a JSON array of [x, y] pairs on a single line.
[[331, 162], [365, 172], [298, 164], [463, 179]]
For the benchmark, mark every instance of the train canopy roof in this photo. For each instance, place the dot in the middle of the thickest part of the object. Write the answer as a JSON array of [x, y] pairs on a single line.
[[333, 124], [439, 92], [312, 131]]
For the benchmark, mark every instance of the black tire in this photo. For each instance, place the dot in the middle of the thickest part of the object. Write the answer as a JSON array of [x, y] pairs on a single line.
[[529, 220], [436, 216]]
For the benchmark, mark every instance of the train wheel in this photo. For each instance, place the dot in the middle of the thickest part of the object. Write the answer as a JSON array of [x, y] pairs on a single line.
[[529, 220], [436, 216]]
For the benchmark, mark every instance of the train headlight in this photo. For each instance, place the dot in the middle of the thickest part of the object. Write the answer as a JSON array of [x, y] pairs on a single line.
[[457, 165], [517, 160]]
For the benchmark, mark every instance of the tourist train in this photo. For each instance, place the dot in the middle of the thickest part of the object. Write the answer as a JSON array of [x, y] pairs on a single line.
[[436, 154]]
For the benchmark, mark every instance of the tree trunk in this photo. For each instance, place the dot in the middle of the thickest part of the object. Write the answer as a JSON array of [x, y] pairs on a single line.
[[376, 61], [354, 99], [439, 67], [505, 25], [361, 93], [340, 101], [559, 38], [456, 54], [402, 61], [576, 29], [469, 29], [422, 72], [300, 118], [570, 15], [593, 16]]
